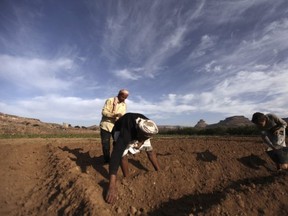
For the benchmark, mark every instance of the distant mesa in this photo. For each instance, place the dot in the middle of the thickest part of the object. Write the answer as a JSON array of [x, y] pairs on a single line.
[[201, 124], [233, 121], [11, 124]]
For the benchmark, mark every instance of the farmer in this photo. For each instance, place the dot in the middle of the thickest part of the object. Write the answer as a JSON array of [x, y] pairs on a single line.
[[131, 133], [113, 109], [273, 134]]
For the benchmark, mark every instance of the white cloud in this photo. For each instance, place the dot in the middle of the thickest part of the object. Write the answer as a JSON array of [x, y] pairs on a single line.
[[129, 74], [248, 91], [57, 109], [242, 94], [213, 67], [206, 44], [44, 75], [228, 97]]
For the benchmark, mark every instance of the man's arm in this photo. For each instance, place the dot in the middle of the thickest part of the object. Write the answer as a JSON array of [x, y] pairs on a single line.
[[111, 195], [280, 125], [267, 140], [153, 159], [279, 121], [115, 161], [107, 110], [116, 156]]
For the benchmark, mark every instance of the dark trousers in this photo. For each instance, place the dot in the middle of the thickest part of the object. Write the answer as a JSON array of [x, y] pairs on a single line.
[[279, 156], [105, 141]]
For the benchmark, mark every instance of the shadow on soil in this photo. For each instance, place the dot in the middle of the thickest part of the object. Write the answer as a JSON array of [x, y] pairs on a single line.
[[137, 164], [206, 156], [83, 160], [201, 202], [254, 162]]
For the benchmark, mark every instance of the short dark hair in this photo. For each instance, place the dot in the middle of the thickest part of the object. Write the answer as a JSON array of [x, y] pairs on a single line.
[[258, 117]]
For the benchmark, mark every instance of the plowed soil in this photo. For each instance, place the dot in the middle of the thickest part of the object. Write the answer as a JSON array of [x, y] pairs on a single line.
[[199, 176]]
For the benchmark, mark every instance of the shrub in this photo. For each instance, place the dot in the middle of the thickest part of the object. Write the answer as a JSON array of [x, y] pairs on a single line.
[[217, 131]]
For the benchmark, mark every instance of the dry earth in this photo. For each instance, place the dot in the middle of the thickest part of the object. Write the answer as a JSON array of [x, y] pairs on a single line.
[[199, 176]]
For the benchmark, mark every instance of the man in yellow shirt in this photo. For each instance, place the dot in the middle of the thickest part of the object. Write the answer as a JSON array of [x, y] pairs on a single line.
[[113, 109]]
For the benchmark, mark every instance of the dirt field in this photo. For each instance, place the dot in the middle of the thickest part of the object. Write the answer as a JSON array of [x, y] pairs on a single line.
[[199, 176]]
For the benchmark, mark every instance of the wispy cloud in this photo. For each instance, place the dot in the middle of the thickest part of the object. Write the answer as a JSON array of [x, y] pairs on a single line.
[[207, 44], [147, 38], [221, 12], [129, 74], [192, 57]]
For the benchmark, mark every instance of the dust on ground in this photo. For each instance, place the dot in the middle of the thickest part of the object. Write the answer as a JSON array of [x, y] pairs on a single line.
[[199, 176]]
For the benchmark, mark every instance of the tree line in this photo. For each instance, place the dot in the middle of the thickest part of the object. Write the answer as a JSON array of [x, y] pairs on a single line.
[[217, 131]]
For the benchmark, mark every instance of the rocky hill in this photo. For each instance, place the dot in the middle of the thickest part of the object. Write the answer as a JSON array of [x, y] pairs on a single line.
[[11, 124], [201, 124], [234, 121]]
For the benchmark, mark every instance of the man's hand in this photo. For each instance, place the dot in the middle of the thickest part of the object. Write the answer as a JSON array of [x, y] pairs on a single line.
[[111, 195], [118, 115], [112, 192]]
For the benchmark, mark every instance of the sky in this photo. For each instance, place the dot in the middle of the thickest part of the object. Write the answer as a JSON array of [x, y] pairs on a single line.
[[181, 60]]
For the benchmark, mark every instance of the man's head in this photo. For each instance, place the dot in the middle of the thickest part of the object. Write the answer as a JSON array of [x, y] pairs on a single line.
[[259, 119], [145, 129], [123, 95]]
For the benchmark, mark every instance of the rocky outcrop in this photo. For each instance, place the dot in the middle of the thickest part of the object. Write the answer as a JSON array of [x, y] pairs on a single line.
[[12, 124], [234, 121], [201, 124]]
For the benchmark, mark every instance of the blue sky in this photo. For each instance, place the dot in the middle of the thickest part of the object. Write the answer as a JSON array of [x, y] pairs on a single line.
[[181, 60]]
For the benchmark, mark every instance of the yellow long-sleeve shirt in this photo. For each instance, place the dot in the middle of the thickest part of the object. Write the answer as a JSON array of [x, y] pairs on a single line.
[[110, 108]]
